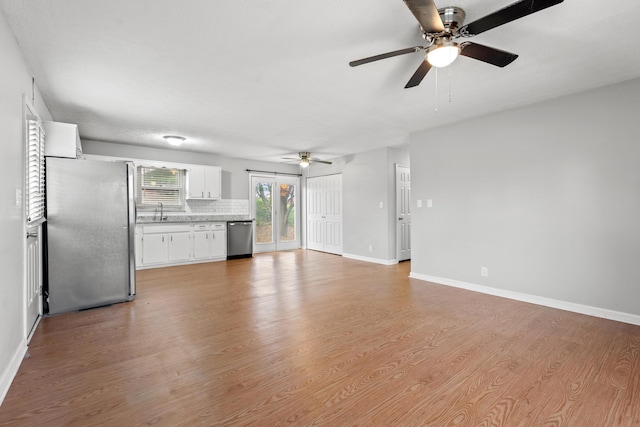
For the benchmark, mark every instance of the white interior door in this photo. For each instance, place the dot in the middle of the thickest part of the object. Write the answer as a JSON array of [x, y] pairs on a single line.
[[33, 280], [315, 214], [276, 212], [403, 212], [324, 213]]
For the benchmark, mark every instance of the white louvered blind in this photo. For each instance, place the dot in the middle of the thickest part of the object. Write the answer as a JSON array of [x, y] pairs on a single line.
[[35, 201], [161, 185]]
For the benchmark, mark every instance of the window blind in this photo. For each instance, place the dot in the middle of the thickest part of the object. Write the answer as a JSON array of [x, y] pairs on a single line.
[[35, 201], [161, 185]]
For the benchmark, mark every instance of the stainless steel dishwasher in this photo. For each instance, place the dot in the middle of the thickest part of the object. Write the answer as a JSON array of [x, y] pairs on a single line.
[[239, 239]]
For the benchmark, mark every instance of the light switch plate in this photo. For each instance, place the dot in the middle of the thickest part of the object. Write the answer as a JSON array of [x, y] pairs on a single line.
[[419, 203], [429, 203], [18, 197]]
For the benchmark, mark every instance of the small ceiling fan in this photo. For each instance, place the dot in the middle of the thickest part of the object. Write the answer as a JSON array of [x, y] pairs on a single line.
[[442, 27], [304, 158]]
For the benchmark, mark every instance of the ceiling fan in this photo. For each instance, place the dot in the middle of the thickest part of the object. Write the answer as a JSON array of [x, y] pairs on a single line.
[[304, 158], [441, 28]]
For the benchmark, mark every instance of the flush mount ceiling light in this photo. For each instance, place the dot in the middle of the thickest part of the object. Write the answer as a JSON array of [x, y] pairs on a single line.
[[174, 140], [442, 53]]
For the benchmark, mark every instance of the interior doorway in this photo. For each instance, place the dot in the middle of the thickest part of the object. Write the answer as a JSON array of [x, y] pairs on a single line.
[[276, 211]]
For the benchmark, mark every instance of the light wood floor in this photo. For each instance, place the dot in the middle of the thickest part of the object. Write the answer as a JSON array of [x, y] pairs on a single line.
[[306, 338]]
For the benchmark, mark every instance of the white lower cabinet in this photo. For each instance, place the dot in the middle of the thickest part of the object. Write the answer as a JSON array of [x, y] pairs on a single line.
[[219, 243], [201, 245], [159, 245], [155, 249], [179, 246], [209, 241]]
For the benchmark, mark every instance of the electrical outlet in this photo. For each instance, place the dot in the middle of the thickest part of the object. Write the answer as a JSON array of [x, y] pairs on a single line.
[[370, 248], [429, 203], [484, 271], [381, 205], [419, 203]]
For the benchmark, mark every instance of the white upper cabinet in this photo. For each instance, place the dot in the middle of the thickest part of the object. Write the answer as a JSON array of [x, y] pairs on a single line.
[[204, 182], [62, 140]]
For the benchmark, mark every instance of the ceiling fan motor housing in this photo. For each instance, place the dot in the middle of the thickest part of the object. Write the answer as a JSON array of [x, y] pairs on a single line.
[[452, 17]]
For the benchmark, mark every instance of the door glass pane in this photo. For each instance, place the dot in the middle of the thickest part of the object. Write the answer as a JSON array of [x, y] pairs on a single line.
[[287, 213], [264, 215]]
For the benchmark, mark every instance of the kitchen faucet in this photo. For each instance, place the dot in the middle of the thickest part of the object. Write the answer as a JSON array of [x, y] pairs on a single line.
[[162, 217]]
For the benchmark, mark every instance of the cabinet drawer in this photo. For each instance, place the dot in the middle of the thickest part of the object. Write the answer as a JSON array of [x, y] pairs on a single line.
[[202, 227], [164, 228], [219, 226]]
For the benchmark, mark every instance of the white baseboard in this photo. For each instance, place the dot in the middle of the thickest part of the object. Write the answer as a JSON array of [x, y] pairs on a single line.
[[9, 374], [373, 260], [533, 299]]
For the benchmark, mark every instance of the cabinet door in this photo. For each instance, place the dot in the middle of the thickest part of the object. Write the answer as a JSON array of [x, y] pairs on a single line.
[[212, 182], [219, 244], [196, 182], [201, 244], [179, 246], [154, 249], [138, 245]]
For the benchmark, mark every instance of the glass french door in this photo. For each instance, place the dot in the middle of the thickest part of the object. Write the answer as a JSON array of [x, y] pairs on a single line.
[[275, 208]]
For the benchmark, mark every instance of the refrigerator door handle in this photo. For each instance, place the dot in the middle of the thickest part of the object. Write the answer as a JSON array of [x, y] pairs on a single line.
[[131, 171]]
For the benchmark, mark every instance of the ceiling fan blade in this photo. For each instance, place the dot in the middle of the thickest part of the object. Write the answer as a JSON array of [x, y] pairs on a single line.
[[507, 14], [417, 77], [427, 15], [385, 56], [321, 161], [490, 55]]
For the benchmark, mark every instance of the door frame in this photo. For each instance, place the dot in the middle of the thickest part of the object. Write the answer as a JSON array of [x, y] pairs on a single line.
[[276, 244]]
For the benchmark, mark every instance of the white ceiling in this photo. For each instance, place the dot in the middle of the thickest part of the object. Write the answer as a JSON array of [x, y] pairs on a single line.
[[266, 79]]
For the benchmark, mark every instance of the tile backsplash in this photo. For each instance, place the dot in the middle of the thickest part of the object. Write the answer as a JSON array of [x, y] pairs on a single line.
[[222, 206]]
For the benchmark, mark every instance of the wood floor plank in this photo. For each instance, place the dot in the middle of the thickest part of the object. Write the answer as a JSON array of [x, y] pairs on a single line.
[[306, 338]]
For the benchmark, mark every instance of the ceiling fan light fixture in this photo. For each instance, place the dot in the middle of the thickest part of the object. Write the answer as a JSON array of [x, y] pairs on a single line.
[[174, 140], [443, 53], [304, 163]]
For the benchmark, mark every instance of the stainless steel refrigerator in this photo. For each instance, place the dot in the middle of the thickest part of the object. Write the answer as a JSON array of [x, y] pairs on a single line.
[[89, 237]]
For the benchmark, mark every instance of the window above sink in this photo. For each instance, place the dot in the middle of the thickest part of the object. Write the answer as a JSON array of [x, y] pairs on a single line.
[[161, 186]]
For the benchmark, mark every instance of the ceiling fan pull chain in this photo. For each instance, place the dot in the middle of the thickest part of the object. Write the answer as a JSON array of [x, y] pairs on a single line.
[[436, 90], [449, 85]]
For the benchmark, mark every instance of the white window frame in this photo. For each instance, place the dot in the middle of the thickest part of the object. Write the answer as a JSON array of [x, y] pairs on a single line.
[[148, 205], [34, 197]]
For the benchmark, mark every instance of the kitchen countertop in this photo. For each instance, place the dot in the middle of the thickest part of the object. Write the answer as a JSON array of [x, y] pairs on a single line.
[[173, 218]]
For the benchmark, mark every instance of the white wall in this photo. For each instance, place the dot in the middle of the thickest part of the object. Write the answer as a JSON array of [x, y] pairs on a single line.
[[547, 197], [15, 81], [235, 179]]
